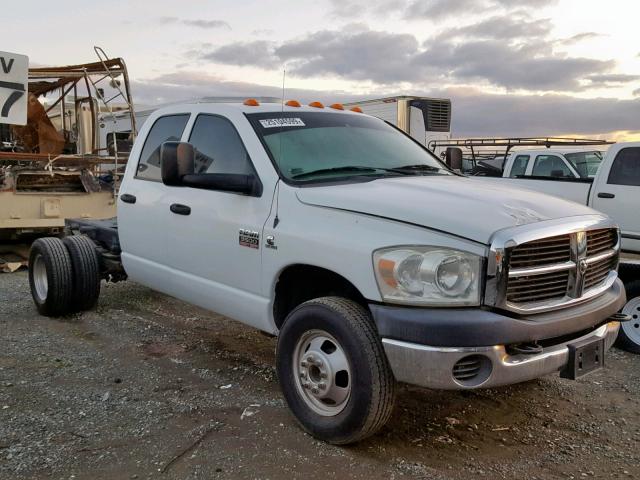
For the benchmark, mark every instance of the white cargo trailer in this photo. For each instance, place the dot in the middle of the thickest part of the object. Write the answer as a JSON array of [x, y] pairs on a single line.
[[424, 118]]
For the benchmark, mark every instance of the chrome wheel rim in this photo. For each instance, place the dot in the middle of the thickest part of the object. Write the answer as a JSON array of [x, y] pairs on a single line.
[[632, 328], [40, 281], [322, 373]]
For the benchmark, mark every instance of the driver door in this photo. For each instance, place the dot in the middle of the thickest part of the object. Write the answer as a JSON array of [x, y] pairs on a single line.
[[214, 247]]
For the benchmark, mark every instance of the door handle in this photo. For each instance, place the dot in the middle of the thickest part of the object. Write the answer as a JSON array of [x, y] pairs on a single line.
[[180, 209], [128, 198], [606, 195]]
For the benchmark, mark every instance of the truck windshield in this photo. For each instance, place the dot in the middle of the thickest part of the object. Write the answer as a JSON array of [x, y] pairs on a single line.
[[316, 147], [585, 163]]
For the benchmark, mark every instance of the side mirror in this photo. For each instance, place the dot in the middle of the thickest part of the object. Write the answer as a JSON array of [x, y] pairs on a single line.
[[226, 182], [557, 173], [177, 159], [453, 158]]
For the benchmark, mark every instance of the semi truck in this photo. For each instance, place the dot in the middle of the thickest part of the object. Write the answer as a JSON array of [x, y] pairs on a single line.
[[370, 260]]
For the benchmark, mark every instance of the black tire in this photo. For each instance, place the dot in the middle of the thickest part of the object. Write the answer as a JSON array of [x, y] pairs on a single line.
[[625, 340], [50, 260], [373, 387], [86, 272]]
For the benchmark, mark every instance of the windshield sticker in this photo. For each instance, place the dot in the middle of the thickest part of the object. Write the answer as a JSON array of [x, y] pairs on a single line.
[[282, 122]]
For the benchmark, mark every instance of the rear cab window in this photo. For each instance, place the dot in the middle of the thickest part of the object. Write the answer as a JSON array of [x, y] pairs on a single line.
[[519, 166], [165, 129], [625, 169], [551, 166], [585, 163]]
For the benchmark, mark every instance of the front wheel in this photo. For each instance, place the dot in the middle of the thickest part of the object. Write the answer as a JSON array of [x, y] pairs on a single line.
[[333, 371], [629, 336]]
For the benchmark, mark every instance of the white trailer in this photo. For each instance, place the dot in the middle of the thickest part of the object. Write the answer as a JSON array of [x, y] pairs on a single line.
[[424, 118]]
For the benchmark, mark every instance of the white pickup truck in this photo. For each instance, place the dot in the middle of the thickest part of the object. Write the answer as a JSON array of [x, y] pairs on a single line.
[[368, 257], [609, 183]]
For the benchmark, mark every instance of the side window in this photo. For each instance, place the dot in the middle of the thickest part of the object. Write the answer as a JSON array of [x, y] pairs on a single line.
[[550, 166], [626, 168], [519, 166], [219, 148], [166, 129]]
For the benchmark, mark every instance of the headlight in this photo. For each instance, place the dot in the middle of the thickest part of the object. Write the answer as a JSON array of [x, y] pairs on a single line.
[[428, 276]]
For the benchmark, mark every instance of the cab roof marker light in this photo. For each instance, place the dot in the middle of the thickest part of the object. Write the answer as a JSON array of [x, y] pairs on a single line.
[[251, 102], [293, 103], [337, 106], [356, 109], [316, 105]]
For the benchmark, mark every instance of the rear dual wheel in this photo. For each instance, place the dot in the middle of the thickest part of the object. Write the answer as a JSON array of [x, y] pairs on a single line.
[[64, 275]]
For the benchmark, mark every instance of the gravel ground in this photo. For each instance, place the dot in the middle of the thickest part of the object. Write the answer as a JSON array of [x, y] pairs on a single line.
[[148, 387]]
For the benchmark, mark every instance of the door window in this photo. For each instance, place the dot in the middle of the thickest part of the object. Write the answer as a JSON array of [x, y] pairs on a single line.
[[219, 148], [550, 166], [626, 168], [165, 129], [519, 166]]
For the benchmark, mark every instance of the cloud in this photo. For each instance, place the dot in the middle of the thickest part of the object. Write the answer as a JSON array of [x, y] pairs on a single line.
[[579, 38], [430, 9], [439, 9], [385, 58], [355, 8], [515, 27], [480, 114], [208, 24], [366, 55], [514, 67], [613, 78], [258, 53], [190, 85], [474, 113]]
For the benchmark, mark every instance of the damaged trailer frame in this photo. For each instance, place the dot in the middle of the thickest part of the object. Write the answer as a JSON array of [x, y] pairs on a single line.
[[57, 167]]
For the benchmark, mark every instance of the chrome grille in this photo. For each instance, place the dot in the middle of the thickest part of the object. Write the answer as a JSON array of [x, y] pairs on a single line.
[[546, 251], [599, 241], [557, 269], [598, 271], [532, 288]]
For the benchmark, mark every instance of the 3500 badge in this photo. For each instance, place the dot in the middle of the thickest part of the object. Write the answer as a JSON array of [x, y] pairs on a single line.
[[249, 238]]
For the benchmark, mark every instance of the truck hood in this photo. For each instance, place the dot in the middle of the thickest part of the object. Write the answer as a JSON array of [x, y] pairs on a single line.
[[466, 207]]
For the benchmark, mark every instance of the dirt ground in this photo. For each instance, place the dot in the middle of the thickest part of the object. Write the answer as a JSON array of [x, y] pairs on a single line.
[[148, 387]]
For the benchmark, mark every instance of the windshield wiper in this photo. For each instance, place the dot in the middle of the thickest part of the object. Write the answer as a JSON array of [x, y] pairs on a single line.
[[421, 167], [347, 169]]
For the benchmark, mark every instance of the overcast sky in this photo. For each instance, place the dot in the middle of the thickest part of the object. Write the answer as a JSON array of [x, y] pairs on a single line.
[[511, 67]]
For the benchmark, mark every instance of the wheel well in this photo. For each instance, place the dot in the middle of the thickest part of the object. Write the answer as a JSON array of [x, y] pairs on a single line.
[[299, 283]]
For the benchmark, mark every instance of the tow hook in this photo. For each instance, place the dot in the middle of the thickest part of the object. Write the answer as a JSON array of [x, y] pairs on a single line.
[[530, 348], [620, 317]]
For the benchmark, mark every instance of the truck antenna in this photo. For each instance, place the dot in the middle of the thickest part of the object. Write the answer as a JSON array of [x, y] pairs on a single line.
[[276, 220]]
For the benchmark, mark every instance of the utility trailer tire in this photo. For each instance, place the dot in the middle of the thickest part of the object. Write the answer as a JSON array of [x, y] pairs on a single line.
[[86, 272], [333, 371], [629, 335], [50, 276]]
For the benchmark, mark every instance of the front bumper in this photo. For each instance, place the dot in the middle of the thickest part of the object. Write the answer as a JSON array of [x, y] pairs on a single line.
[[424, 345], [433, 367]]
